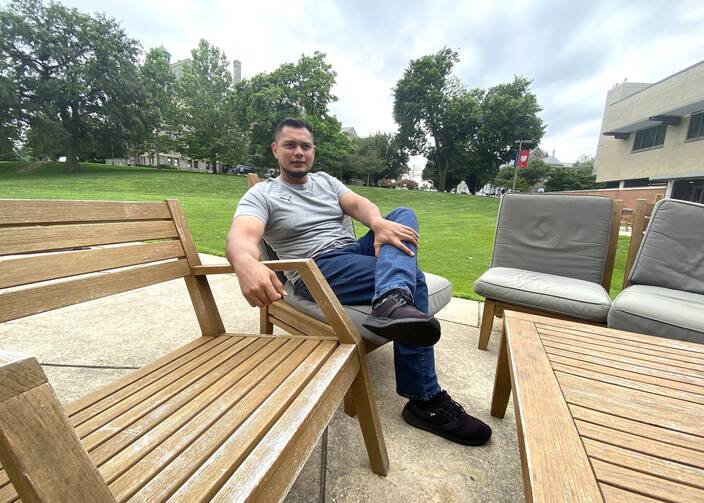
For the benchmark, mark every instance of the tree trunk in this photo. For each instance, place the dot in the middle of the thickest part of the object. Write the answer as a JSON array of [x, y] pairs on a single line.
[[158, 160], [442, 172], [71, 165]]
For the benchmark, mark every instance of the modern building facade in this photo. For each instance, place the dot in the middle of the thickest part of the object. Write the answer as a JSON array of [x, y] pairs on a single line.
[[653, 134]]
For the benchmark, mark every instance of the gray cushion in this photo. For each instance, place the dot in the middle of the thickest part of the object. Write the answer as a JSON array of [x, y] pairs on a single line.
[[546, 292], [672, 252], [439, 295], [659, 311], [554, 234]]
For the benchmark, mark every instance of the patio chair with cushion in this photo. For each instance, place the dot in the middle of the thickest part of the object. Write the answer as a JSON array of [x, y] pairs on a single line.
[[666, 292], [295, 309], [553, 255]]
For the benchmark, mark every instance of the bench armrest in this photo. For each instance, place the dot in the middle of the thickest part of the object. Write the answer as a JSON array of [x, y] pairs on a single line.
[[318, 287]]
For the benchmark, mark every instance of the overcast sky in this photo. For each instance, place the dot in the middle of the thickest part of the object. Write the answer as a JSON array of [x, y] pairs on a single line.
[[575, 51]]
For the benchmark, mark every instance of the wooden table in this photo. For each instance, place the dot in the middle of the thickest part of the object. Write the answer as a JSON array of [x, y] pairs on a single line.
[[602, 415]]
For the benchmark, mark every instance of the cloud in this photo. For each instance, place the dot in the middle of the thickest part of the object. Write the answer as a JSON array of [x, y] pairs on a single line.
[[574, 51]]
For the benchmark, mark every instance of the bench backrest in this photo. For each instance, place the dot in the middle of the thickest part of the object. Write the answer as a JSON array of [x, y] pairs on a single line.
[[58, 253]]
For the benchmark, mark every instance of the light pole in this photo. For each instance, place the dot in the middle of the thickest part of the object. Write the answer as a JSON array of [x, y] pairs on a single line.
[[515, 162]]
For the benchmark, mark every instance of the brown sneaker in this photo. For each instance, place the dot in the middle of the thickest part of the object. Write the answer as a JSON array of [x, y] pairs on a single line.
[[395, 317]]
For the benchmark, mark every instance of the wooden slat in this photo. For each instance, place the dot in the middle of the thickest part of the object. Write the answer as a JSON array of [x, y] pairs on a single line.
[[656, 466], [14, 240], [41, 453], [26, 212], [270, 469], [150, 372], [632, 347], [555, 465], [617, 364], [626, 382], [629, 426], [208, 479], [122, 451], [637, 443], [160, 472], [34, 268], [183, 233], [542, 322], [299, 320], [576, 363], [586, 351], [641, 406], [38, 299], [201, 270], [617, 495], [645, 484], [696, 364], [122, 414], [8, 493]]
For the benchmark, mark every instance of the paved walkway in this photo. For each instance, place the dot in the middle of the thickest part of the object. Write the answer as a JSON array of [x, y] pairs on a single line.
[[86, 346]]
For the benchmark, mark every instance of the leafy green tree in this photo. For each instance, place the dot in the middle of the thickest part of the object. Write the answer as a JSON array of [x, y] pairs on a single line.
[[160, 97], [375, 157], [434, 111], [74, 73], [207, 128], [527, 178], [9, 114], [579, 177], [304, 90], [509, 113]]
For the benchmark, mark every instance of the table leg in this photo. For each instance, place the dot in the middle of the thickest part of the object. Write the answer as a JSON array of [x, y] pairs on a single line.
[[502, 381]]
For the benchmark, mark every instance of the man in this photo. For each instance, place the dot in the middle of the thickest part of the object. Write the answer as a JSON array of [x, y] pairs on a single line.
[[300, 214]]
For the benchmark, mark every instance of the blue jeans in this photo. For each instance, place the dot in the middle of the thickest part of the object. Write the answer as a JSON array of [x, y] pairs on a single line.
[[358, 278]]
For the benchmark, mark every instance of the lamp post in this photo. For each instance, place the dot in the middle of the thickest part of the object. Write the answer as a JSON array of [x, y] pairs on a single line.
[[518, 154]]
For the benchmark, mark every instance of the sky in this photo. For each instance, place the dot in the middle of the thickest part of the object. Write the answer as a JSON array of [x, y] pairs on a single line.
[[573, 50]]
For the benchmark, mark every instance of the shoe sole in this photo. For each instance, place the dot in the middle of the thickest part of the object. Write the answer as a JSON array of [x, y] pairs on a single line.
[[414, 421], [410, 331]]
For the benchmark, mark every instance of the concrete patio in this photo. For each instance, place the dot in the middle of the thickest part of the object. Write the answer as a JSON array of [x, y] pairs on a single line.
[[86, 346]]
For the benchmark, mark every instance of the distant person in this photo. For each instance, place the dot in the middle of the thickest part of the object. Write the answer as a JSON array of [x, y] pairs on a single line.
[[300, 214]]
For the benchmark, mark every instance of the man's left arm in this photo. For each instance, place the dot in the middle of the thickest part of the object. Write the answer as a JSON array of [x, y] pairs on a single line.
[[385, 231]]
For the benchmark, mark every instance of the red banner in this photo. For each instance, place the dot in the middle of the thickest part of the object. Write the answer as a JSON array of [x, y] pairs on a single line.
[[523, 156]]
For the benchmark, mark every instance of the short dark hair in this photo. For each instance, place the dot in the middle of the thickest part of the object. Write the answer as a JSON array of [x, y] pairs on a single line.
[[291, 122]]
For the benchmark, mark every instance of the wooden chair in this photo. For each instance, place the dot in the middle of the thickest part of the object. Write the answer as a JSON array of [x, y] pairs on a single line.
[[291, 318], [541, 254], [641, 217], [227, 417]]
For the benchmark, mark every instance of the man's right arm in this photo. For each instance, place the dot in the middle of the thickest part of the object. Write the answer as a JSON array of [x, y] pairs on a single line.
[[259, 284]]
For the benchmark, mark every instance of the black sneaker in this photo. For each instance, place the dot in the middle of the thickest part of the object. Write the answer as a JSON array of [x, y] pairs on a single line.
[[395, 317], [445, 417]]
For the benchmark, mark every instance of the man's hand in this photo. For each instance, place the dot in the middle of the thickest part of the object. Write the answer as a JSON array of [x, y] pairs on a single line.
[[259, 284], [388, 232]]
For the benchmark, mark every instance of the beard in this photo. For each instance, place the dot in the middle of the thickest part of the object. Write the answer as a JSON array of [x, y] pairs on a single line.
[[295, 174]]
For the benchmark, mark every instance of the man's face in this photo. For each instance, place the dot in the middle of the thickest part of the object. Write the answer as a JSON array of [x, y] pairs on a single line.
[[295, 152]]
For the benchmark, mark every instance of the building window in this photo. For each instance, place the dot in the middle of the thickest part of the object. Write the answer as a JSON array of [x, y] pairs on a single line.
[[649, 137], [696, 126]]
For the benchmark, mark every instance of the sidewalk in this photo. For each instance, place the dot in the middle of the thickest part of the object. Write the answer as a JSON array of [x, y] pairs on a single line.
[[86, 346]]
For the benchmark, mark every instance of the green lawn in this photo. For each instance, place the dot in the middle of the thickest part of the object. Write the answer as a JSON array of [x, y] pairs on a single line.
[[456, 231]]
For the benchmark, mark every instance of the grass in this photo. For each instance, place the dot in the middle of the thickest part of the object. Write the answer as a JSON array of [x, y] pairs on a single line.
[[456, 231]]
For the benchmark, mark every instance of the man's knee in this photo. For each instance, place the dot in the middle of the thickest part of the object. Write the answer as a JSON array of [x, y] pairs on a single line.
[[399, 214]]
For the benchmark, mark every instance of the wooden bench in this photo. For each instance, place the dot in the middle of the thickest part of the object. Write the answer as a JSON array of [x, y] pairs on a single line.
[[227, 417], [641, 217]]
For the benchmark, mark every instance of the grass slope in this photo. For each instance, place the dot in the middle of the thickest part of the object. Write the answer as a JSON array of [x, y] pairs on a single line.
[[456, 231]]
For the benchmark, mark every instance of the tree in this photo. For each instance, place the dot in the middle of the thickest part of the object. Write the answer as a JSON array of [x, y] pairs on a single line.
[[207, 128], [159, 85], [434, 111], [303, 90], [9, 114], [527, 178], [74, 72], [375, 157], [509, 113]]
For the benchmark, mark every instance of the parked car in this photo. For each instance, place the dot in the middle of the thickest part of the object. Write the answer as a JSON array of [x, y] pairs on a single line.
[[241, 169]]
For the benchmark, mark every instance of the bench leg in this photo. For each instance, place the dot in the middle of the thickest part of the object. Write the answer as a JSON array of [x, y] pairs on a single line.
[[350, 409], [487, 323], [370, 423], [502, 381], [265, 326]]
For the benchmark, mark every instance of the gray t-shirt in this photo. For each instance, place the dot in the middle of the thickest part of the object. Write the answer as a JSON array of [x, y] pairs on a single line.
[[301, 221]]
